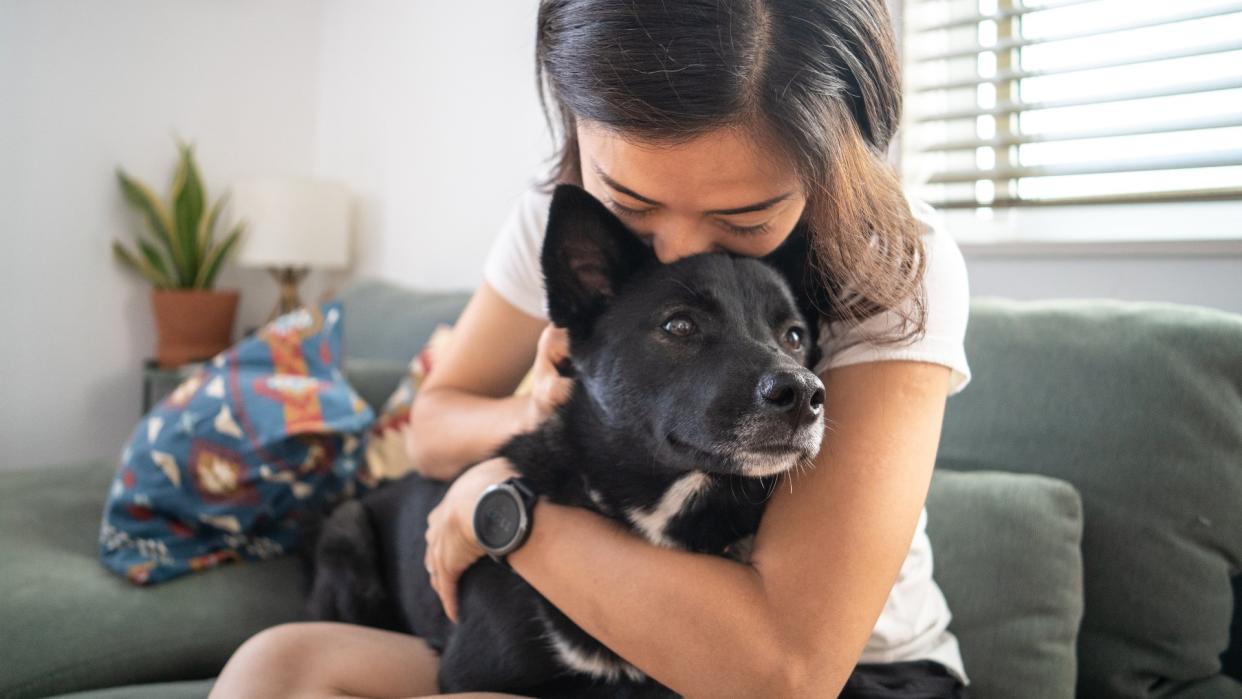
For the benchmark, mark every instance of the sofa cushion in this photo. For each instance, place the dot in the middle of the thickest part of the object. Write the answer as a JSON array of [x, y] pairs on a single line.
[[1007, 559], [66, 624], [1139, 406]]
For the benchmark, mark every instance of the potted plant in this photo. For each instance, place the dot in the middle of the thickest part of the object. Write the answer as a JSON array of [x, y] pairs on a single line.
[[179, 255]]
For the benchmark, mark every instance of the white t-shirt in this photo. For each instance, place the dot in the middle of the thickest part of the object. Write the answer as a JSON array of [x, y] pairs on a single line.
[[915, 619]]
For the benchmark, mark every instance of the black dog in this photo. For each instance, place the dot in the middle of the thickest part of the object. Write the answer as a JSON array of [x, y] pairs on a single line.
[[691, 398]]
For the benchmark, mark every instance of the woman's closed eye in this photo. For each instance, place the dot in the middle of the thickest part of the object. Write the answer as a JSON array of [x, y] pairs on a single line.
[[759, 229], [624, 210], [631, 212]]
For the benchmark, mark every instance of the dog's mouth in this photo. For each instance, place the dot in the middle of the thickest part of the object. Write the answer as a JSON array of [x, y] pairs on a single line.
[[757, 463], [754, 461], [773, 449]]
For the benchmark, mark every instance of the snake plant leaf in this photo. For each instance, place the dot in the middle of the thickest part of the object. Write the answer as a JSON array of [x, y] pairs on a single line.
[[154, 258], [141, 266], [207, 225], [187, 198], [139, 196], [211, 266]]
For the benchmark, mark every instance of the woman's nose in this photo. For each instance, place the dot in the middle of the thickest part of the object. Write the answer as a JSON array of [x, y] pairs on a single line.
[[672, 243]]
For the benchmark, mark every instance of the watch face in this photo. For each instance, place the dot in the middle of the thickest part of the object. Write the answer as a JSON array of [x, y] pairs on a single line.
[[496, 519]]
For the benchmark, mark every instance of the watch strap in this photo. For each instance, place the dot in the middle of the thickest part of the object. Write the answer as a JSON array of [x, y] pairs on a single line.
[[525, 488]]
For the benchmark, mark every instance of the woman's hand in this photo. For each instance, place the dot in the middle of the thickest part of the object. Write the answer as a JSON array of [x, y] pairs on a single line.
[[548, 388], [451, 544]]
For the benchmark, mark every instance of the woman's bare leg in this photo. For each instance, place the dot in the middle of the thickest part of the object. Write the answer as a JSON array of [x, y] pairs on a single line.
[[313, 660]]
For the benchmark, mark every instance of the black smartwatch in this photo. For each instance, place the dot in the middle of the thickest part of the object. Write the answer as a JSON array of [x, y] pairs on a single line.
[[503, 517]]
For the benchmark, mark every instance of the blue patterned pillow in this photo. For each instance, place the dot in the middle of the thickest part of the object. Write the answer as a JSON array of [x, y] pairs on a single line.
[[228, 465]]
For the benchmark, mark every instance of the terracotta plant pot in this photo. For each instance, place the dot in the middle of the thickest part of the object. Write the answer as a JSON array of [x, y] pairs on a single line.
[[192, 324]]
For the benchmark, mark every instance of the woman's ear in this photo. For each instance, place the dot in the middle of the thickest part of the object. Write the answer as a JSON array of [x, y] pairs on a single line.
[[587, 254]]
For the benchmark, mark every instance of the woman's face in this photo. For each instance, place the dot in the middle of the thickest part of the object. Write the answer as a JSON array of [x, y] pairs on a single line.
[[717, 192]]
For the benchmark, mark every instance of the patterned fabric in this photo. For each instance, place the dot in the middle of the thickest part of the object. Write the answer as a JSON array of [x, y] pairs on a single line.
[[228, 465], [387, 457]]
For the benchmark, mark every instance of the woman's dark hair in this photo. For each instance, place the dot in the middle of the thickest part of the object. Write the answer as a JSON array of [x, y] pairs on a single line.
[[816, 80]]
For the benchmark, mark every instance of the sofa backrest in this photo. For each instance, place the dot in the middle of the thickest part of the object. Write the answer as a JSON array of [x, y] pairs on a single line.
[[386, 325], [1139, 406]]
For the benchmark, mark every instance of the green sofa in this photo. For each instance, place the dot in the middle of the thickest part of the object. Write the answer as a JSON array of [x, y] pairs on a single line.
[[1085, 516]]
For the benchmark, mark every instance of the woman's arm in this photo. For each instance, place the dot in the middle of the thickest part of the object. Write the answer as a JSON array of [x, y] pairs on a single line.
[[828, 551], [465, 409]]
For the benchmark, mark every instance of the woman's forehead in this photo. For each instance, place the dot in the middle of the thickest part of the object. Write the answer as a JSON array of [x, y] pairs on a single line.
[[721, 169]]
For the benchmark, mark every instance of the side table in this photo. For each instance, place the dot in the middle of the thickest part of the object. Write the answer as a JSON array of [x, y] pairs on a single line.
[[158, 382]]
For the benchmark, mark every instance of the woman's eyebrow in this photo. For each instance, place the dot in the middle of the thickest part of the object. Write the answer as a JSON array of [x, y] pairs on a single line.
[[760, 206], [620, 187], [766, 203]]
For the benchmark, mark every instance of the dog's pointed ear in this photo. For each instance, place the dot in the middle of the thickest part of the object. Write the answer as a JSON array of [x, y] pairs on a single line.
[[587, 254]]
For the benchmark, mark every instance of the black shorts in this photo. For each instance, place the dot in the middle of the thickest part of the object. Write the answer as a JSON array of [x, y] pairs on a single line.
[[914, 679]]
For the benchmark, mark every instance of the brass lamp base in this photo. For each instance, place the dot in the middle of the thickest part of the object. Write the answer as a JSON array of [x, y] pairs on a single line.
[[288, 278]]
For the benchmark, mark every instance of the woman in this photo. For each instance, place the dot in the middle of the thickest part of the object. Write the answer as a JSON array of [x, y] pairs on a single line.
[[708, 125]]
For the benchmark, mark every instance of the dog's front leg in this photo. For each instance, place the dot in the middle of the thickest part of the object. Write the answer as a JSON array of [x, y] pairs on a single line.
[[498, 645]]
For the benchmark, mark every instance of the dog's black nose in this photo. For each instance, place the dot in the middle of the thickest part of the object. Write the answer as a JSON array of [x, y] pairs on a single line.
[[799, 394]]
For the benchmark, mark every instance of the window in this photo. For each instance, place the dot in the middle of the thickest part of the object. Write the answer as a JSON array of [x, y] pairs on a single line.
[[1070, 105]]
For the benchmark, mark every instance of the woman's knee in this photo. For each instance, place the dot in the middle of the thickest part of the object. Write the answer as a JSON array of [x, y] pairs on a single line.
[[279, 657], [317, 658], [284, 644]]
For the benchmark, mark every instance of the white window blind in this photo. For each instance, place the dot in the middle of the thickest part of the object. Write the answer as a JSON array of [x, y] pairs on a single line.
[[1034, 102]]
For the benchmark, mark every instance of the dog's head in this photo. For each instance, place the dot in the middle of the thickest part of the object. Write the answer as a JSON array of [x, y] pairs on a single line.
[[704, 358]]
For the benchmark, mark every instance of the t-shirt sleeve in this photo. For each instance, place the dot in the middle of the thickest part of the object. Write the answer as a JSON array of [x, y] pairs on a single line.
[[512, 266], [948, 309]]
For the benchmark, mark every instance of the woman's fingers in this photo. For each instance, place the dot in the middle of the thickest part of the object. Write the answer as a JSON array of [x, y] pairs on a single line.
[[553, 352], [553, 344], [446, 582], [446, 560], [560, 391], [548, 387], [453, 566], [433, 559]]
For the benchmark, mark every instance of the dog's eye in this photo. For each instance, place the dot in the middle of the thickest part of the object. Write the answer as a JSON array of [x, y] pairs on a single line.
[[793, 337], [679, 326]]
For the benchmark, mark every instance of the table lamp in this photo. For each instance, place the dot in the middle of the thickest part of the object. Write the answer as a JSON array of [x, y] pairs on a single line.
[[292, 225]]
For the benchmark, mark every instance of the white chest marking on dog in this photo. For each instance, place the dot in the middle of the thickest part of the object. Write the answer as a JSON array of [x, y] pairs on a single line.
[[653, 522], [595, 664]]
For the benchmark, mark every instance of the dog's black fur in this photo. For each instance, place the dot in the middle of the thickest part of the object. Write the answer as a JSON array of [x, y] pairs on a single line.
[[715, 415]]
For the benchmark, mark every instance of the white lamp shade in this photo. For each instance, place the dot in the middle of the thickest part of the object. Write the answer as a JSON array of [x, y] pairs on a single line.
[[293, 222]]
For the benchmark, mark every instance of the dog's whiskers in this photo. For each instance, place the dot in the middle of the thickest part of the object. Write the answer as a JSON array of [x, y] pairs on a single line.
[[775, 484]]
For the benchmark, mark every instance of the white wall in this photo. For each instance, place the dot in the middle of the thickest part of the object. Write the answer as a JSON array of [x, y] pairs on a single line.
[[1213, 281], [84, 87], [429, 110], [1188, 253]]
